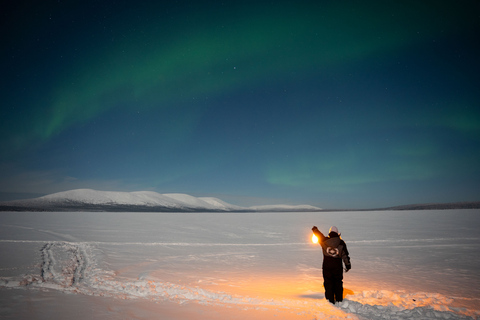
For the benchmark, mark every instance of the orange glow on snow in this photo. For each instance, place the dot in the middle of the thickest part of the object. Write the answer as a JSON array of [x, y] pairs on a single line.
[[314, 238]]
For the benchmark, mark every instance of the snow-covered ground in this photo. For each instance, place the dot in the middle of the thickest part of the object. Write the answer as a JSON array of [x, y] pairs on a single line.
[[78, 265]]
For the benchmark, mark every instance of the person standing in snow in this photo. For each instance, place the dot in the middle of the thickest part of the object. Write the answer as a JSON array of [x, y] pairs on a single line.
[[334, 252]]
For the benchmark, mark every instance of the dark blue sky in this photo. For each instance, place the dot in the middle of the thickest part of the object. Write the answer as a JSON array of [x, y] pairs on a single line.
[[335, 104]]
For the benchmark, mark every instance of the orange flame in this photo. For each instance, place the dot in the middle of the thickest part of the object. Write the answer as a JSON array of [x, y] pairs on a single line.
[[314, 238]]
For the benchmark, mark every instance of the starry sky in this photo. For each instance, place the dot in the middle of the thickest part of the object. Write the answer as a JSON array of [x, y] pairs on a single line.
[[337, 104]]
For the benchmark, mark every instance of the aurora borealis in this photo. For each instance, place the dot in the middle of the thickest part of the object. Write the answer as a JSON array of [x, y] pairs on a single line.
[[334, 104]]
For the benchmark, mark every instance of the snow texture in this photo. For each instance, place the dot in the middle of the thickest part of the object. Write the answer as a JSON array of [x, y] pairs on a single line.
[[406, 265]]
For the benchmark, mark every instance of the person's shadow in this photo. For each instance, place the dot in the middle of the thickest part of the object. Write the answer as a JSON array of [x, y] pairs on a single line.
[[322, 296]]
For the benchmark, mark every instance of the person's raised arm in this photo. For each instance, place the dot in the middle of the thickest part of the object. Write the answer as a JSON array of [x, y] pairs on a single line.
[[317, 232]]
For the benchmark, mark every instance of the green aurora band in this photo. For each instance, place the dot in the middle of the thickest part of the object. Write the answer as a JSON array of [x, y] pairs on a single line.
[[242, 48]]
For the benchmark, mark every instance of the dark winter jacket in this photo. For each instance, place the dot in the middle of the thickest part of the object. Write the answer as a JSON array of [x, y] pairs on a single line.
[[334, 250]]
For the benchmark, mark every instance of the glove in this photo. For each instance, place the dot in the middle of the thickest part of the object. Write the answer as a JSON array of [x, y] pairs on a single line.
[[348, 267]]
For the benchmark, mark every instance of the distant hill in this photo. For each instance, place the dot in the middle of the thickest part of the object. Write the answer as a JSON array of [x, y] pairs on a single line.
[[284, 208], [421, 206], [438, 206], [149, 201], [141, 201]]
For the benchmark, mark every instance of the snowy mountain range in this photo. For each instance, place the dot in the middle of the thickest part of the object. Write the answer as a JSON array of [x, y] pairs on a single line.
[[141, 201]]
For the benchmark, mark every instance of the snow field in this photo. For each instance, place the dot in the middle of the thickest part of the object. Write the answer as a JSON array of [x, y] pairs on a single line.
[[260, 263]]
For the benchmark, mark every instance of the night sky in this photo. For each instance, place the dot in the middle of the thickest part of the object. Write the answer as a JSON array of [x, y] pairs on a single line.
[[338, 104]]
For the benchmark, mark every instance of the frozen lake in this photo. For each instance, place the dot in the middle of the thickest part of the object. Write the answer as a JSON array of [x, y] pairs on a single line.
[[412, 264]]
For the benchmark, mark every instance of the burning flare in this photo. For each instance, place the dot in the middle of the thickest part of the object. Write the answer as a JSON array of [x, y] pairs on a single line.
[[314, 238]]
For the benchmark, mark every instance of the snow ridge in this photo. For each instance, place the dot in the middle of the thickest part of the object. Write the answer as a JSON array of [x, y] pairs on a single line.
[[94, 200]]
